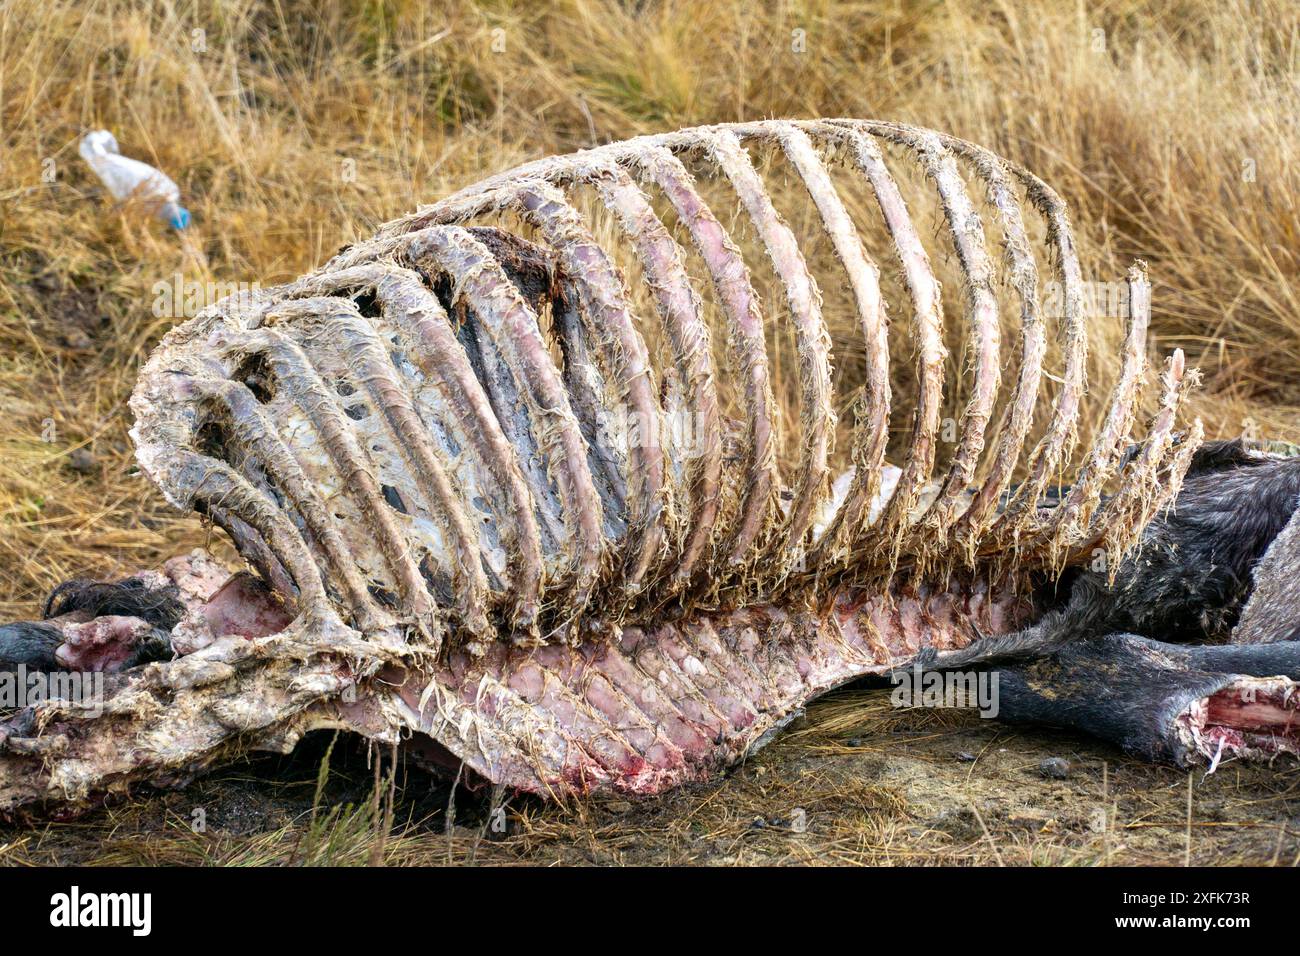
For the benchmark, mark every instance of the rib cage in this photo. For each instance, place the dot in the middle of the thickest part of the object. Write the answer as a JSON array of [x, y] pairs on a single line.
[[456, 432]]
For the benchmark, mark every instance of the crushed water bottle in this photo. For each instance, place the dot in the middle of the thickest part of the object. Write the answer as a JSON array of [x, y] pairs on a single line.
[[130, 178]]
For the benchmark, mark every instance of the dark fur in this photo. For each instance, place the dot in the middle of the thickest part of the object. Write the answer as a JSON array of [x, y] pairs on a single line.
[[1191, 576], [161, 607], [29, 643], [33, 644], [1120, 687], [1130, 690]]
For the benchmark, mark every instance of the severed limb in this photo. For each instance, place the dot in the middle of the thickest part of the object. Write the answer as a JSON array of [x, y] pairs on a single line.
[[1165, 702]]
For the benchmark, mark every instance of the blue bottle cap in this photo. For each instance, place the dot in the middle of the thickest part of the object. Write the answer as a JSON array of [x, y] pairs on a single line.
[[178, 216]]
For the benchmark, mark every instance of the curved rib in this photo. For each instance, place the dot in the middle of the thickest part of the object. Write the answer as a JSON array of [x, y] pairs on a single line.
[[254, 429], [1070, 518], [339, 325], [982, 319], [812, 341], [214, 484], [605, 300], [1054, 447], [1119, 524], [869, 442], [889, 532], [512, 325], [661, 259], [408, 306], [1023, 277], [303, 385], [739, 304]]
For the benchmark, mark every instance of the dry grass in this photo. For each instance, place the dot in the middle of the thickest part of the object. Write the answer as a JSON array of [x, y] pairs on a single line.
[[1171, 127]]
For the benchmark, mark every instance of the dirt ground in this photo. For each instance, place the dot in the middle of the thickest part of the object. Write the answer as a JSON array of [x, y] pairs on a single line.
[[853, 782]]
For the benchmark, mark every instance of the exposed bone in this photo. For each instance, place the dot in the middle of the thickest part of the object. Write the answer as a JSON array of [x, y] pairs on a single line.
[[346, 331], [350, 462], [601, 288], [982, 317], [1023, 277], [409, 308], [739, 303], [675, 299], [209, 485], [864, 277], [1072, 516], [513, 328], [1053, 448], [889, 532], [1143, 493], [252, 426], [812, 341]]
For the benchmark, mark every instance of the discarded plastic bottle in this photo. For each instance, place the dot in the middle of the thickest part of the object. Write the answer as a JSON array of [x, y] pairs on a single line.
[[126, 177]]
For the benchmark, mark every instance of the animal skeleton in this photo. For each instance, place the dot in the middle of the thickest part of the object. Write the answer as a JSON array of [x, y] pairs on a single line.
[[451, 453]]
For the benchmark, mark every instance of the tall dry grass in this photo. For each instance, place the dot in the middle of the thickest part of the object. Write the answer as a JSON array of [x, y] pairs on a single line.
[[294, 127]]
